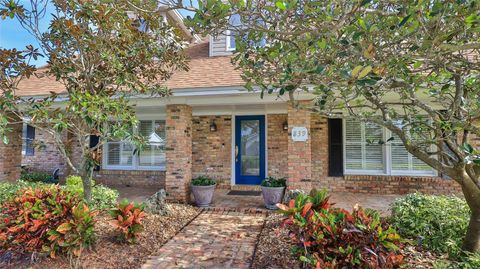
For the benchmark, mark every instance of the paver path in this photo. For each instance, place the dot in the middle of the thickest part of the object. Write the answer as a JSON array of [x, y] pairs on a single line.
[[212, 240]]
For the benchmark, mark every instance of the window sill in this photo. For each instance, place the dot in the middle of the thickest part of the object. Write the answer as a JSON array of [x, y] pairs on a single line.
[[134, 169], [366, 173]]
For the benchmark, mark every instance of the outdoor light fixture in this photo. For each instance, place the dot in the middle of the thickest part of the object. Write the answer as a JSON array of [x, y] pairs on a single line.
[[285, 125], [213, 126]]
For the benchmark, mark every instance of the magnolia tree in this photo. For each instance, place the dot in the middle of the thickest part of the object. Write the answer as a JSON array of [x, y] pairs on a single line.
[[101, 53], [409, 66]]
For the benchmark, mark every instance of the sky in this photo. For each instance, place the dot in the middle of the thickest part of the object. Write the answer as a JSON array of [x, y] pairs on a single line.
[[12, 35]]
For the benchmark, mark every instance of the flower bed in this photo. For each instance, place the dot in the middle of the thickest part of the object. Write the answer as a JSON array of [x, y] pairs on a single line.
[[107, 251]]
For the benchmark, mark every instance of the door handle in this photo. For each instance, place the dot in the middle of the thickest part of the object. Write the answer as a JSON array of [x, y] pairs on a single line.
[[236, 153]]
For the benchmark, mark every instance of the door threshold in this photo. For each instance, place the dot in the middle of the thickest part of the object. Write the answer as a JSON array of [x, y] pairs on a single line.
[[241, 187]]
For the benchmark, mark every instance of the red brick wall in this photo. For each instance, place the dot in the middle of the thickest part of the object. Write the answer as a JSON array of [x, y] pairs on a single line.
[[212, 151], [389, 184], [46, 156], [299, 153], [11, 154], [178, 152], [319, 137], [277, 143], [155, 179]]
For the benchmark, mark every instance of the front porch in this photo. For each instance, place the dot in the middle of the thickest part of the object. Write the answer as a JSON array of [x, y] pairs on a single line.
[[223, 200]]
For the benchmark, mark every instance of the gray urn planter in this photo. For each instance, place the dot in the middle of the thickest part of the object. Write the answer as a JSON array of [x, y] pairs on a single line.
[[272, 196], [203, 195]]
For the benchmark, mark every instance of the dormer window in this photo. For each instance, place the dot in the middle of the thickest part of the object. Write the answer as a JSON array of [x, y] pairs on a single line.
[[232, 34]]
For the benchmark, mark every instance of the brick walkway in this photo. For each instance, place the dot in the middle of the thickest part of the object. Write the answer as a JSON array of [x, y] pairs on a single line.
[[212, 240]]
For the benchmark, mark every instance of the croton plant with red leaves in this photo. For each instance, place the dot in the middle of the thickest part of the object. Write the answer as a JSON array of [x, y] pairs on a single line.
[[328, 237], [127, 219], [45, 219]]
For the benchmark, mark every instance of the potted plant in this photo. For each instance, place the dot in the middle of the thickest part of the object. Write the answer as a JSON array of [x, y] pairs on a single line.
[[203, 188], [272, 191]]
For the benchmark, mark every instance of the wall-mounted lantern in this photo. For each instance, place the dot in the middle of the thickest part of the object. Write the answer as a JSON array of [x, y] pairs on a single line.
[[213, 126], [285, 126]]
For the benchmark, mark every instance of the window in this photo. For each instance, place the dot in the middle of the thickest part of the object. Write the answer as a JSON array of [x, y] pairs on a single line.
[[28, 148], [124, 155], [231, 34], [361, 155], [153, 154], [364, 155]]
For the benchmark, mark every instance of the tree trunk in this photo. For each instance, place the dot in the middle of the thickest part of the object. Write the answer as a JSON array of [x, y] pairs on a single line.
[[87, 177], [471, 242], [472, 239]]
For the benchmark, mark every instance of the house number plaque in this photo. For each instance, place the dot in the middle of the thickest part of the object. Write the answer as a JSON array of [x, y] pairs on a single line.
[[299, 134]]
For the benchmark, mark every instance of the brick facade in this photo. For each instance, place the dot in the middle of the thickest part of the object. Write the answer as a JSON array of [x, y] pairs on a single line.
[[11, 154], [212, 150], [277, 143], [319, 138], [299, 160], [154, 179], [194, 150], [178, 152], [388, 184], [46, 156]]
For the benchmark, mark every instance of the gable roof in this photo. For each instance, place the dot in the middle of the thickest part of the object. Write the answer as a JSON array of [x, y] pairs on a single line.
[[204, 72]]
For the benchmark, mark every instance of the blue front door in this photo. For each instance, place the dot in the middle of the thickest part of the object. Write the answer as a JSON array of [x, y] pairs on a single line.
[[249, 149]]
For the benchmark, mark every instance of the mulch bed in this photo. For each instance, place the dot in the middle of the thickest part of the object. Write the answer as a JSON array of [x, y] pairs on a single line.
[[274, 250], [108, 252]]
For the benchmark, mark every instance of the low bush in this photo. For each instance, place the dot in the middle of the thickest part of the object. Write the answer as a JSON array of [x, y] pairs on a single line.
[[37, 177], [9, 190], [102, 197], [466, 261], [274, 182], [203, 181], [438, 223], [127, 219], [329, 237], [45, 219]]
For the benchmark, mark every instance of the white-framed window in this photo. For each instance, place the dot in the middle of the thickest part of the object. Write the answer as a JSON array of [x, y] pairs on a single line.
[[231, 34], [122, 155], [364, 155]]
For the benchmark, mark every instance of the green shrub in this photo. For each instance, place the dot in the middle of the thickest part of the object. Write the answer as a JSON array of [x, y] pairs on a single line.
[[9, 189], [274, 182], [466, 261], [45, 219], [102, 197], [127, 219], [439, 223], [37, 177], [327, 237], [203, 181]]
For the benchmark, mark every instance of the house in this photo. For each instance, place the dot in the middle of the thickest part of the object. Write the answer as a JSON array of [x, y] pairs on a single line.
[[212, 126]]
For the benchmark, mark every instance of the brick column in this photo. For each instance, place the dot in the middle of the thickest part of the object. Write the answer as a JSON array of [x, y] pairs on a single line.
[[178, 152], [299, 153], [11, 154]]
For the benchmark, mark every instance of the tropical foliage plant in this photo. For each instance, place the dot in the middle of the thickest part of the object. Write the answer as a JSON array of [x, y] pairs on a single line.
[[8, 190], [127, 220], [45, 219], [328, 237]]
